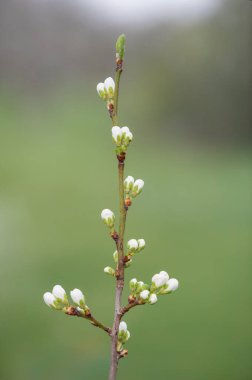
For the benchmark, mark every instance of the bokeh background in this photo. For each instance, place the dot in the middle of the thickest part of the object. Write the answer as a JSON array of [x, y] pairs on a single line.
[[186, 95]]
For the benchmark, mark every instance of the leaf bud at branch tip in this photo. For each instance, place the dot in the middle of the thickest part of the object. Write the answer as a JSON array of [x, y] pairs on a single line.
[[120, 50]]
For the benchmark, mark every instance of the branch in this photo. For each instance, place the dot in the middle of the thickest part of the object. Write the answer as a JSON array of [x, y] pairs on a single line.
[[119, 242], [71, 310]]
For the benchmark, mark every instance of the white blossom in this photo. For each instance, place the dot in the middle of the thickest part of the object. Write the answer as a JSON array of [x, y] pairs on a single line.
[[126, 135], [137, 187], [132, 245], [109, 270], [172, 284], [117, 135], [144, 294], [108, 217], [59, 292], [141, 244], [109, 85], [153, 299], [78, 297], [160, 279], [101, 90], [123, 326], [49, 299], [128, 183]]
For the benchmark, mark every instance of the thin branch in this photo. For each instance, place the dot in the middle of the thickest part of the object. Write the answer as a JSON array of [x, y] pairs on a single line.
[[129, 306], [119, 242], [73, 311]]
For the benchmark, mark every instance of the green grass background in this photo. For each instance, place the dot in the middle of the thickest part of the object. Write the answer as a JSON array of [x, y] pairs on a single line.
[[58, 171]]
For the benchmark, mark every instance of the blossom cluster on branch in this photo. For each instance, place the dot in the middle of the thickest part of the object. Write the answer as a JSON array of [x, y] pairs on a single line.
[[140, 293]]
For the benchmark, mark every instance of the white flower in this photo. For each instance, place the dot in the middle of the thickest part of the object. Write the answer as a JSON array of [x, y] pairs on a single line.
[[132, 245], [160, 279], [141, 244], [164, 275], [49, 299], [123, 326], [108, 217], [172, 284], [59, 293], [109, 85], [101, 90], [109, 270], [78, 297], [133, 284], [117, 135], [153, 299], [144, 294], [128, 183], [126, 135], [137, 187]]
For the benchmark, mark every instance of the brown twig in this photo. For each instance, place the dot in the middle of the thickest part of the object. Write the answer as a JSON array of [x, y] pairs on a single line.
[[71, 310]]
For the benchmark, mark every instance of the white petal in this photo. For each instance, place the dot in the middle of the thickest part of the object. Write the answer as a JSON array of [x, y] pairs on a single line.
[[77, 296], [132, 244], [123, 326], [106, 213], [59, 292], [144, 294], [153, 298], [173, 284], [49, 298], [109, 82]]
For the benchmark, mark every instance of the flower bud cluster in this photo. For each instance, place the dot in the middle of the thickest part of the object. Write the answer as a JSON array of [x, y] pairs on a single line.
[[135, 246], [132, 188], [106, 90], [122, 137], [161, 284], [58, 300]]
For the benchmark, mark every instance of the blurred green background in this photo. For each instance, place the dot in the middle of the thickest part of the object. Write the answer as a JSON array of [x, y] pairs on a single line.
[[186, 96]]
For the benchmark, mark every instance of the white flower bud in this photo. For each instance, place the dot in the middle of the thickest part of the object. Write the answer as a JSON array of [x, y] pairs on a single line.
[[133, 284], [137, 187], [153, 299], [59, 293], [109, 270], [139, 286], [132, 245], [127, 136], [108, 217], [117, 135], [123, 326], [141, 244], [109, 85], [101, 90], [78, 297], [49, 299], [144, 294], [128, 183], [164, 276], [172, 284]]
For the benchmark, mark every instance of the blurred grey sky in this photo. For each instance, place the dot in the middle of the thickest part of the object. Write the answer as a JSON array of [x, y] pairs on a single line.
[[143, 11]]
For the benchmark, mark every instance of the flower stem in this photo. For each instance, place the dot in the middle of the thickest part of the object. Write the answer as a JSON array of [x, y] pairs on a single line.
[[119, 244]]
